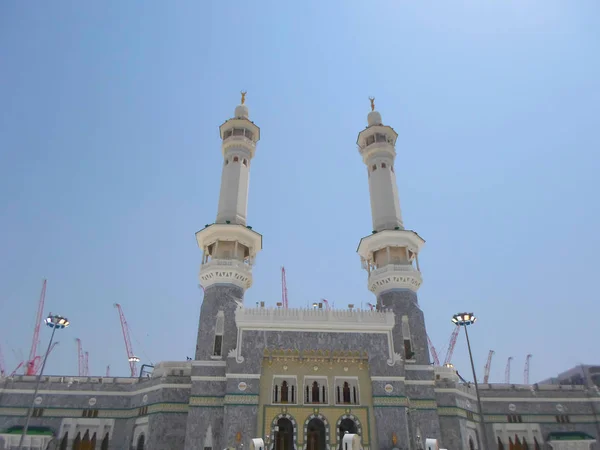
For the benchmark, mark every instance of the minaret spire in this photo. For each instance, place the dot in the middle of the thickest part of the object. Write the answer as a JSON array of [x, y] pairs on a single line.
[[229, 243], [390, 253]]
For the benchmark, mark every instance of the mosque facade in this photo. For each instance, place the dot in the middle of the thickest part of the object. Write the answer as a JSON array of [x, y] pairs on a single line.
[[300, 378]]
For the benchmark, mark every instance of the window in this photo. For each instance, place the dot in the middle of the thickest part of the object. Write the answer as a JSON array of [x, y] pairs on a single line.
[[392, 168], [89, 413], [219, 329], [245, 162], [380, 137], [142, 411], [346, 391], [228, 133], [383, 165], [315, 391], [370, 140], [226, 161], [238, 131], [470, 416], [514, 418], [284, 390], [37, 412], [374, 167], [408, 352], [236, 159], [563, 419], [249, 134]]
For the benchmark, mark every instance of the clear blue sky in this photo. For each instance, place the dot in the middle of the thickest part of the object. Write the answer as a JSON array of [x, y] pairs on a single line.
[[110, 162]]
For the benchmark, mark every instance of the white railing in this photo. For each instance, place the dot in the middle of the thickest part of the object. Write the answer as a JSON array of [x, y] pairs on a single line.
[[301, 318], [235, 263], [394, 268]]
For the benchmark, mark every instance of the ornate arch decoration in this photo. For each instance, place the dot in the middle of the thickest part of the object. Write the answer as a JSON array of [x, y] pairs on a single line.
[[323, 419], [274, 425], [359, 429]]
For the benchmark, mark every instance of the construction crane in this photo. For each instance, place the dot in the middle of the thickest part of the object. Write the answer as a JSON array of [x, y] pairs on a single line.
[[451, 345], [507, 371], [37, 369], [2, 364], [284, 294], [327, 307], [80, 359], [32, 365], [371, 306], [86, 367], [526, 371], [108, 370], [133, 360], [434, 355], [488, 366]]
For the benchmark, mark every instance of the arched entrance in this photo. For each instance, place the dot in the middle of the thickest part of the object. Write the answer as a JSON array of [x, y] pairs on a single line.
[[471, 443], [346, 426], [315, 435], [140, 443], [284, 436]]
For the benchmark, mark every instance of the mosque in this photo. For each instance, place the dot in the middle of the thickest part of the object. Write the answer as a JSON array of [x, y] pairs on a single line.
[[300, 378]]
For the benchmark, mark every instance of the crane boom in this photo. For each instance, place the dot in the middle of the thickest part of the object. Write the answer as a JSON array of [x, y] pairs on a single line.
[[526, 371], [488, 366], [451, 345], [507, 370], [86, 367], [32, 363], [284, 293], [434, 354], [128, 347]]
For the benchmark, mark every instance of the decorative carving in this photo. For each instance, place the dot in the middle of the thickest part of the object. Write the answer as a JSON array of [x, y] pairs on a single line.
[[243, 96], [396, 357]]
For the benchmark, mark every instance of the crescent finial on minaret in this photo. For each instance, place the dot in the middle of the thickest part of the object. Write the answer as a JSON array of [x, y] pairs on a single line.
[[372, 103], [243, 96]]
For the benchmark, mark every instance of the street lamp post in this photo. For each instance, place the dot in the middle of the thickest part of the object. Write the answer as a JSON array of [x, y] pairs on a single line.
[[464, 320], [55, 322]]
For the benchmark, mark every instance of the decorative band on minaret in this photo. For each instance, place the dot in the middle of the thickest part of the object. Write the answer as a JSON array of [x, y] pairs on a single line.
[[229, 245], [390, 253]]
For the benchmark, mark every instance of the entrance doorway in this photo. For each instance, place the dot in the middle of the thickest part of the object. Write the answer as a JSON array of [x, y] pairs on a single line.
[[346, 426], [284, 436], [315, 437]]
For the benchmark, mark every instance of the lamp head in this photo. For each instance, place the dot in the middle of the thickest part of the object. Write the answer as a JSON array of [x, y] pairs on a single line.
[[56, 321], [464, 319]]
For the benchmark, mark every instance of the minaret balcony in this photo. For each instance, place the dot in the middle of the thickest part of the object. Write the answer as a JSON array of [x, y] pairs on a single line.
[[394, 276], [226, 271]]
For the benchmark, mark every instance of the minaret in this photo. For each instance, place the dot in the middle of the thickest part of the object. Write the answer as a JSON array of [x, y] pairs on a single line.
[[390, 253], [229, 246]]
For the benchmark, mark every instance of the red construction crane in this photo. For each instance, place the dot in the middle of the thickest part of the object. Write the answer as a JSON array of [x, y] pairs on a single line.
[[488, 366], [49, 351], [327, 307], [526, 371], [86, 367], [284, 296], [128, 347], [507, 370], [80, 359], [451, 345], [32, 365], [434, 354], [2, 364], [371, 306]]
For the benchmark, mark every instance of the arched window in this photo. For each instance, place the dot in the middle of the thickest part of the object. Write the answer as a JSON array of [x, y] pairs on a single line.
[[93, 442], [236, 159], [77, 442], [219, 330], [104, 445], [408, 352], [284, 392], [346, 392], [346, 426], [374, 167], [315, 392], [276, 394], [471, 444], [245, 162], [85, 442], [536, 443], [65, 441], [284, 436], [141, 442], [500, 444], [383, 165]]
